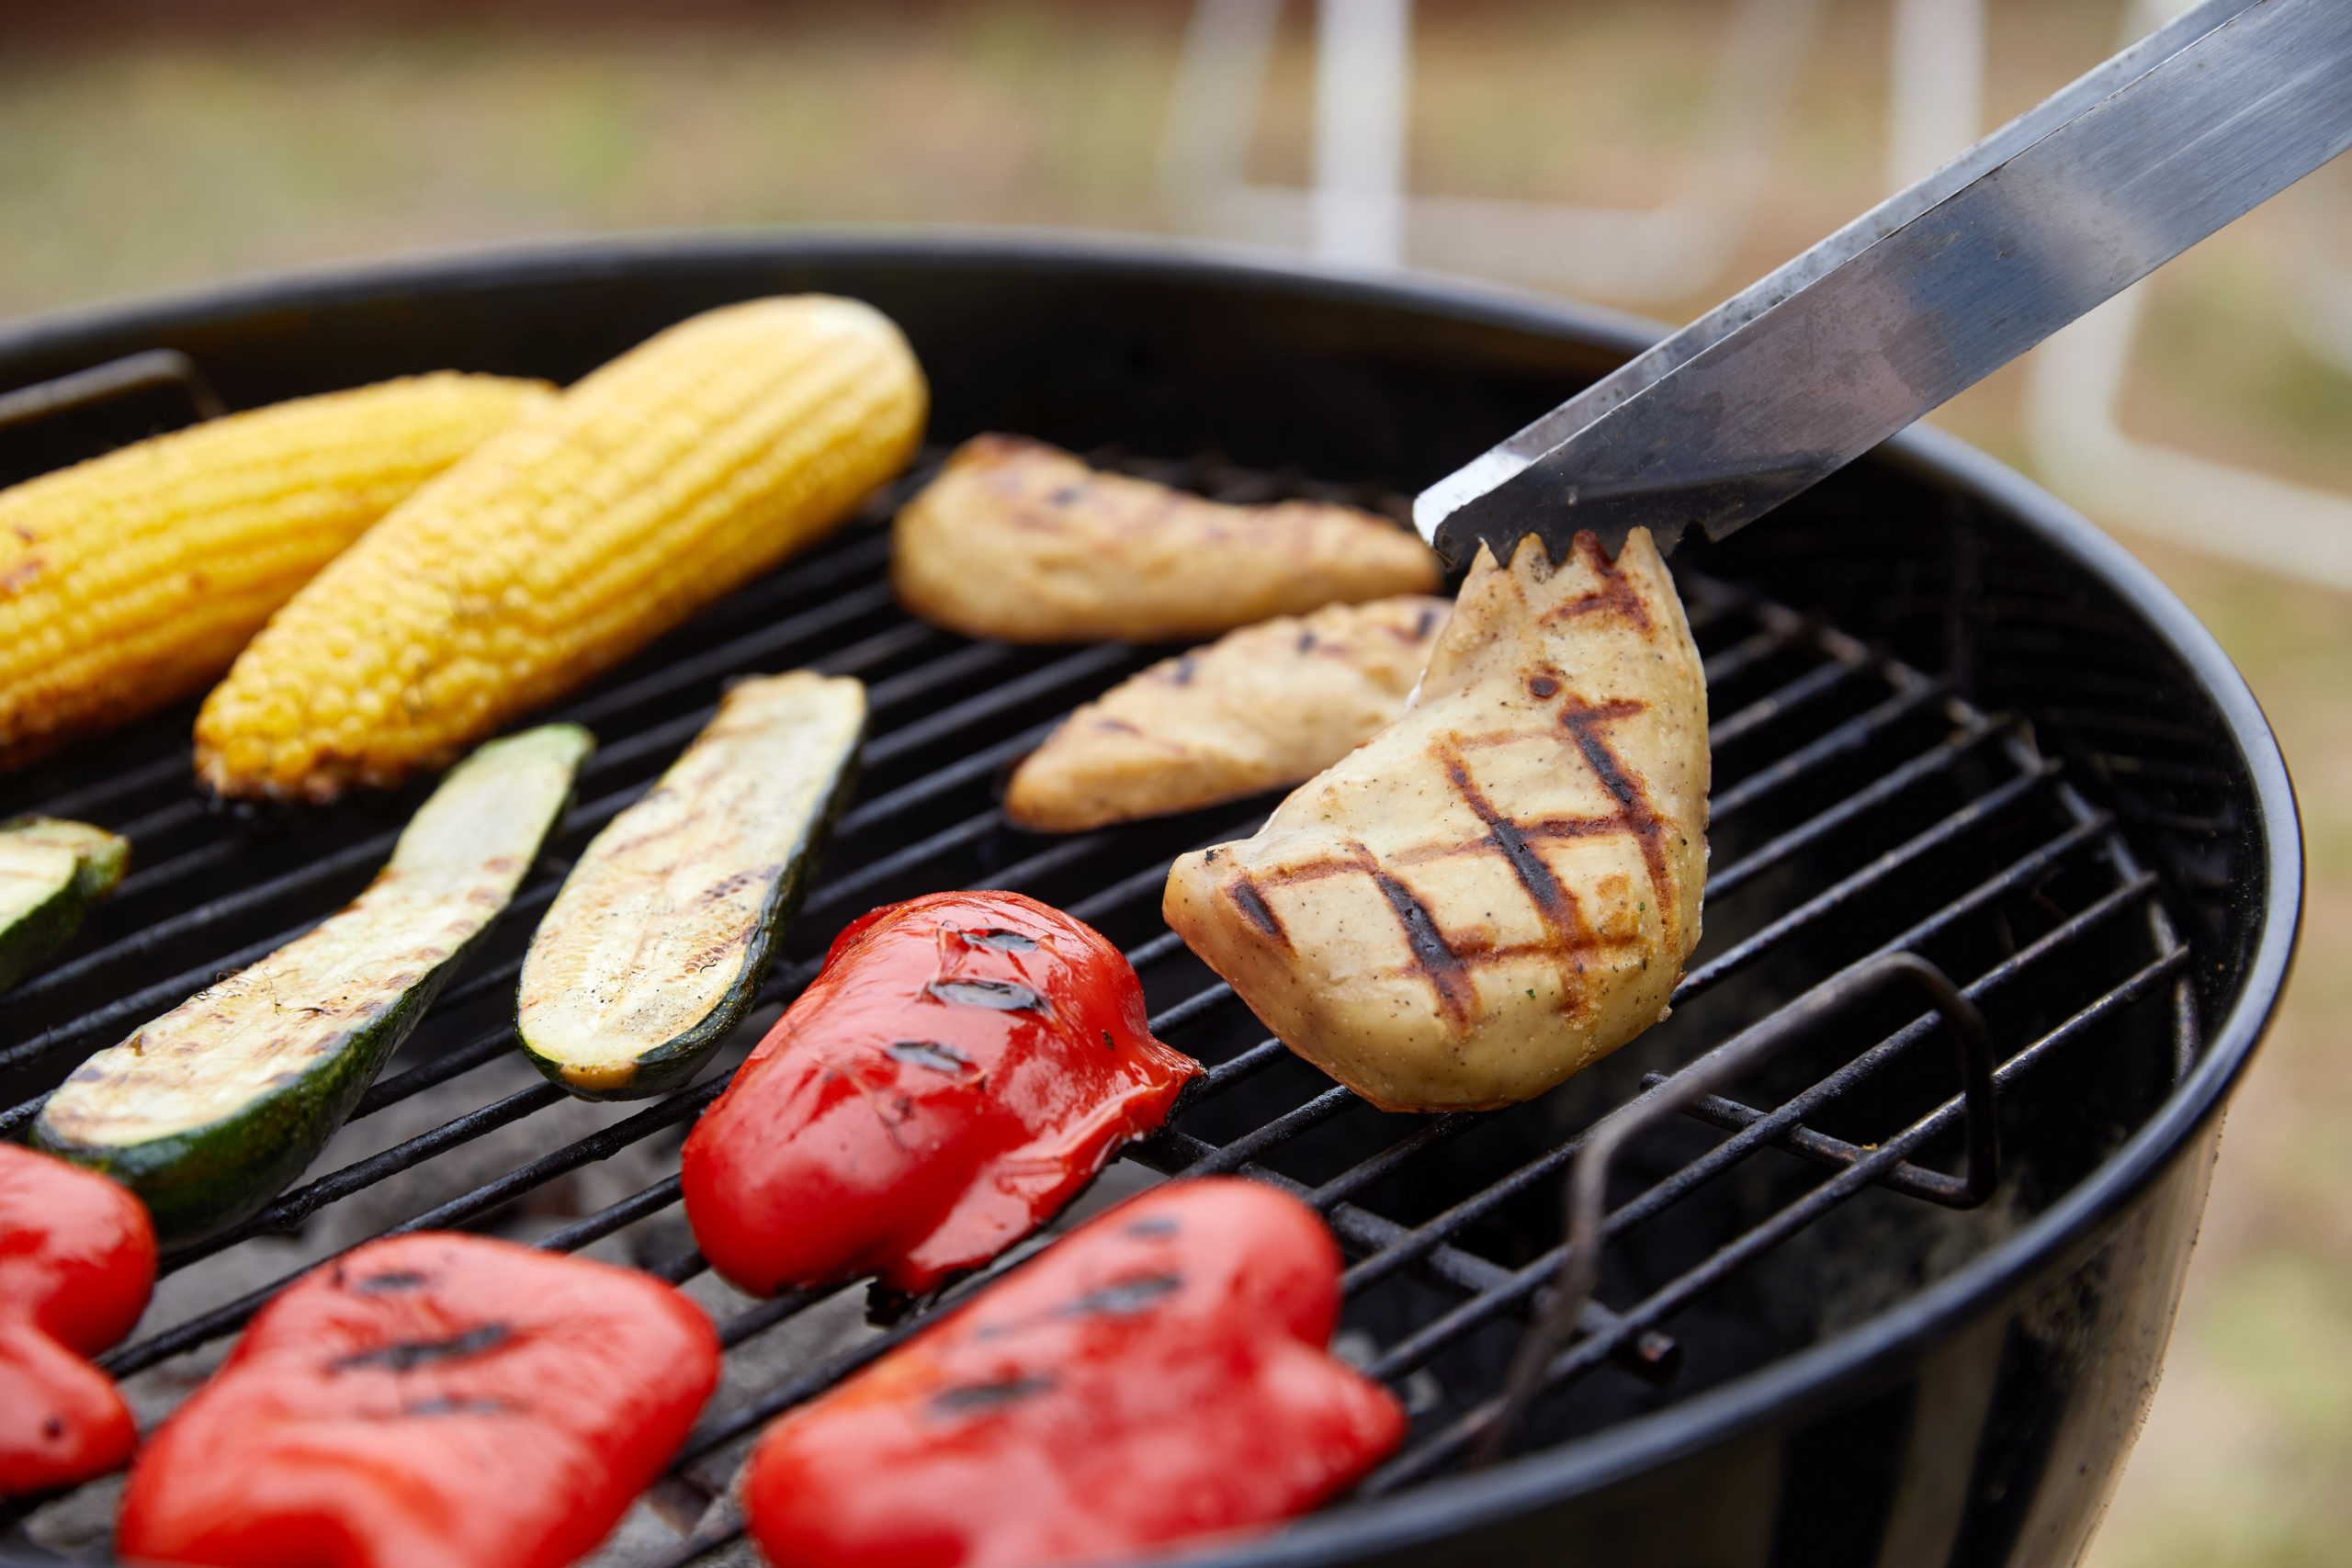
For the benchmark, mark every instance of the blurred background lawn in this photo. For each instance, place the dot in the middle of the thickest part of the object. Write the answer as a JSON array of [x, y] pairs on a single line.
[[145, 147]]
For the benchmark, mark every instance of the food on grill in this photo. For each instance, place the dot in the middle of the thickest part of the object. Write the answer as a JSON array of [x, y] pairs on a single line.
[[1158, 1376], [77, 1260], [209, 1111], [595, 522], [960, 1069], [427, 1401], [129, 580], [51, 873], [1503, 884], [1022, 542], [1262, 707], [662, 933]]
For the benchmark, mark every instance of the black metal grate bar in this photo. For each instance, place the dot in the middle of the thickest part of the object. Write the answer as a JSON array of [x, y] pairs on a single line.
[[1412, 1353], [1853, 736], [1552, 1163], [103, 383], [1449, 1444], [1942, 758], [1847, 889]]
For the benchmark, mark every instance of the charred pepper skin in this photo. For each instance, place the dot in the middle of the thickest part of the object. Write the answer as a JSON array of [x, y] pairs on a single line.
[[965, 1064], [1159, 1377], [427, 1401], [77, 1260]]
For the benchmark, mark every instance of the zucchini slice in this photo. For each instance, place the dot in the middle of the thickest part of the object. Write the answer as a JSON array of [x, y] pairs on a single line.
[[208, 1111], [51, 873], [652, 951]]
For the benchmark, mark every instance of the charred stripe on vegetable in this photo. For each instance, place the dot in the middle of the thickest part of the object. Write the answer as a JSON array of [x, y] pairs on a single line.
[[404, 1355], [1004, 996], [661, 934]]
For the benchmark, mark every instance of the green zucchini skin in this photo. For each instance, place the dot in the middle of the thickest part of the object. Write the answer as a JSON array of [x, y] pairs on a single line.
[[204, 1181], [833, 708], [83, 865], [329, 1030]]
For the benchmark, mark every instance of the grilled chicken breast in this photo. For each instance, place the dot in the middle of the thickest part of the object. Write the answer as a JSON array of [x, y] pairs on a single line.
[[1502, 886], [1022, 542], [1268, 706]]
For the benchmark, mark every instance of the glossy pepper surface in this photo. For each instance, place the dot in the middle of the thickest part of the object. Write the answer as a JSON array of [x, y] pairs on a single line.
[[1157, 1377], [960, 1069], [77, 1260], [427, 1401]]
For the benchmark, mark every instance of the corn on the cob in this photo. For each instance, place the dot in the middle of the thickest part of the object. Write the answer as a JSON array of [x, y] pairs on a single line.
[[657, 483], [132, 580]]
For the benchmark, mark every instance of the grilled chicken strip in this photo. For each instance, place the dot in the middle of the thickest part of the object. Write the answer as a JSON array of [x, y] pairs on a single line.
[[1268, 706], [1022, 542], [1501, 887]]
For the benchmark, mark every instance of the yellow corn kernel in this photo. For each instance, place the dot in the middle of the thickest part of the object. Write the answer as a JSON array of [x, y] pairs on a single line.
[[132, 580], [656, 484]]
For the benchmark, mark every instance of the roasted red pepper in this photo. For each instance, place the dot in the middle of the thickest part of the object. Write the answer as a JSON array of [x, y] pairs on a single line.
[[963, 1065], [1159, 1376], [427, 1401], [77, 1260]]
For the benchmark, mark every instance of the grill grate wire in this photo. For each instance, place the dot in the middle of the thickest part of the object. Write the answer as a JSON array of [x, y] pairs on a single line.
[[1821, 742]]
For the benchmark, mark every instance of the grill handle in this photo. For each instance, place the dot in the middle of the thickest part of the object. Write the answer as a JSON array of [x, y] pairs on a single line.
[[114, 378], [1588, 1189]]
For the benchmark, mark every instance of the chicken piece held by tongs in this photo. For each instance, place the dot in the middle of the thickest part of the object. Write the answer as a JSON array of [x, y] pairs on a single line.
[[1502, 886]]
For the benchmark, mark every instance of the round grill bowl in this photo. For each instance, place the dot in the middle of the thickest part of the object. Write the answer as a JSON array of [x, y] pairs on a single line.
[[1926, 674]]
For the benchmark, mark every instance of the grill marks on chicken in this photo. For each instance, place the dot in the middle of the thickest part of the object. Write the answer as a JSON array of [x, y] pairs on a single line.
[[1503, 884], [1254, 909], [1445, 964], [1434, 957], [1616, 595]]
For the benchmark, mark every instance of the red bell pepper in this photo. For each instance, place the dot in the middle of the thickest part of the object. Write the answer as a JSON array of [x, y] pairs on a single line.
[[427, 1401], [960, 1069], [77, 1260], [1157, 1377]]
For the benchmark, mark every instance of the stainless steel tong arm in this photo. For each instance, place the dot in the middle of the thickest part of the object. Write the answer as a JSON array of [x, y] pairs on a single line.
[[1928, 292]]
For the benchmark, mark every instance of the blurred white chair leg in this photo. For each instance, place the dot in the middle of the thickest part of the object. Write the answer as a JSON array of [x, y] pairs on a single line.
[[1934, 87], [1204, 155], [2074, 385], [2325, 320], [1684, 243], [1629, 254], [1362, 98]]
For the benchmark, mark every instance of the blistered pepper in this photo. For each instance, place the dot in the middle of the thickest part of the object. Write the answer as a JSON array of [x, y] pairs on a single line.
[[77, 1260], [427, 1401], [1157, 1377], [962, 1067]]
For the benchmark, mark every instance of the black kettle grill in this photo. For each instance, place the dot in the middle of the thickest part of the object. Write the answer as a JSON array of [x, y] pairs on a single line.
[[1832, 1323]]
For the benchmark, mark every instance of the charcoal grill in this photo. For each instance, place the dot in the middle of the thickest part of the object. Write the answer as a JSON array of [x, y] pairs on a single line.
[[1949, 720]]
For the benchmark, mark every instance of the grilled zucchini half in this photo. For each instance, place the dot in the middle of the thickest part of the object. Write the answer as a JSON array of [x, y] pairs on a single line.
[[208, 1111], [51, 873], [655, 946]]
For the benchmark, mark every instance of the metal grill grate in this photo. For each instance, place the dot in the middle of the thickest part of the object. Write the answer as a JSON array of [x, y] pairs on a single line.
[[1860, 808]]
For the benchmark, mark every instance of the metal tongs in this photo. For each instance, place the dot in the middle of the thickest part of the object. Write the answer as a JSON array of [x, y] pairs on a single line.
[[1928, 292]]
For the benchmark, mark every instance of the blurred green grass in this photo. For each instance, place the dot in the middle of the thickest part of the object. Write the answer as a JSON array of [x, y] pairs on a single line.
[[150, 147]]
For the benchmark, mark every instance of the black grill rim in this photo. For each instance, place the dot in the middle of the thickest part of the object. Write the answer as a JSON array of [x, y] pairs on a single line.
[[1443, 1509]]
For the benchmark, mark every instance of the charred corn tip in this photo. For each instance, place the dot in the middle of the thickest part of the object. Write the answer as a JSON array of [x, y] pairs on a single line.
[[127, 581], [602, 519]]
